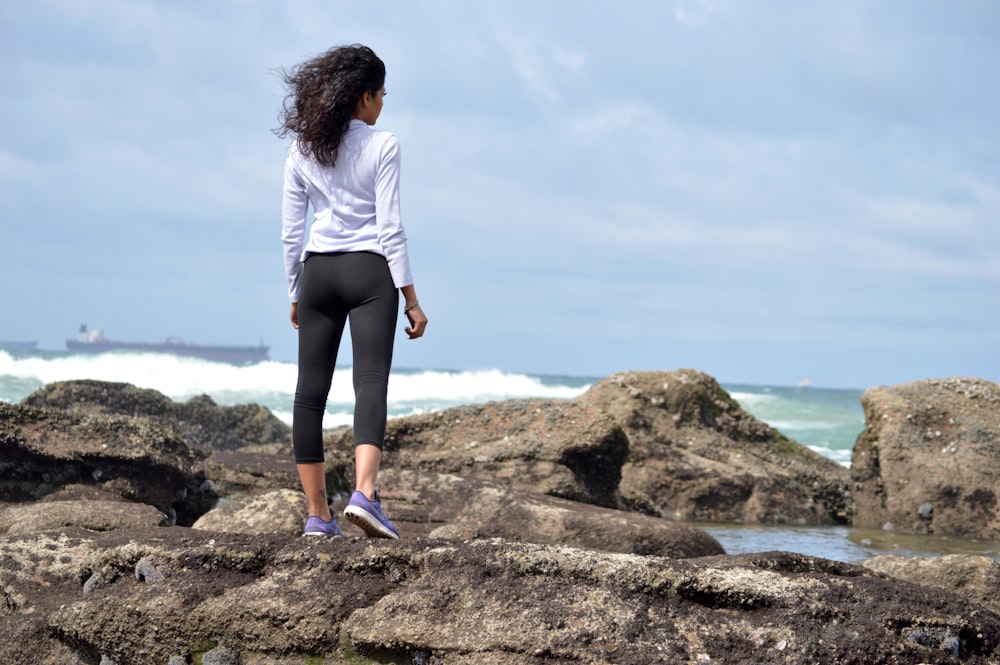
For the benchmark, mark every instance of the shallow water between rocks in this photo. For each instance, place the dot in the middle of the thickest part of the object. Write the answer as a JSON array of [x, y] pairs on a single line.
[[841, 543]]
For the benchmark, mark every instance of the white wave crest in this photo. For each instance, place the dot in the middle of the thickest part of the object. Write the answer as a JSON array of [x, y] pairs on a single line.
[[273, 382]]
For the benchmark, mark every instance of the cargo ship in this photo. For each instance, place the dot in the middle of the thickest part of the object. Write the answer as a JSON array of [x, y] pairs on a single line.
[[93, 341], [19, 346]]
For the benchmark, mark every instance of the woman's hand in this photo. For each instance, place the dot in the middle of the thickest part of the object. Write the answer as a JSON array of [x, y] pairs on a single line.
[[294, 315], [417, 319]]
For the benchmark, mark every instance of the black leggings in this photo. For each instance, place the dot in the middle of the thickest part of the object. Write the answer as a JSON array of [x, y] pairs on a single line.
[[335, 288]]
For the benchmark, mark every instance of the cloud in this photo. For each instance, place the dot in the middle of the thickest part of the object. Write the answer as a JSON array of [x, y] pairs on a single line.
[[542, 65], [694, 11], [14, 167], [584, 185]]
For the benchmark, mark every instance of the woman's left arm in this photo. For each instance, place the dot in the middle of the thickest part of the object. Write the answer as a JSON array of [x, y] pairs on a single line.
[[414, 313]]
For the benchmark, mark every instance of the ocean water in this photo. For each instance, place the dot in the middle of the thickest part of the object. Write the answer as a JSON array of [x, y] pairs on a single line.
[[826, 420], [271, 384]]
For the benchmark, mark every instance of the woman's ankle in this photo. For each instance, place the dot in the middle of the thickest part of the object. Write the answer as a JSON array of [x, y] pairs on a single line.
[[321, 511]]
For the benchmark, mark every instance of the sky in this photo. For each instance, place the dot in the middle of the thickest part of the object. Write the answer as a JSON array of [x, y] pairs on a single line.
[[767, 191]]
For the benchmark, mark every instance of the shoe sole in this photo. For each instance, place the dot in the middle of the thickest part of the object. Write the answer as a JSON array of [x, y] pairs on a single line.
[[320, 533], [365, 521]]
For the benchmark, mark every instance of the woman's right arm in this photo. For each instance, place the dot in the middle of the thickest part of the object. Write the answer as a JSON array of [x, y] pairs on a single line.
[[388, 223], [294, 210]]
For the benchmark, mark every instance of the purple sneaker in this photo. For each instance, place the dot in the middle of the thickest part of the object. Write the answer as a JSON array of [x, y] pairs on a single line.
[[315, 526], [369, 517]]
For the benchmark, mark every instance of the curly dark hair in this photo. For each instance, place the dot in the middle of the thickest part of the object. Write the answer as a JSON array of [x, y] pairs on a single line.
[[322, 96]]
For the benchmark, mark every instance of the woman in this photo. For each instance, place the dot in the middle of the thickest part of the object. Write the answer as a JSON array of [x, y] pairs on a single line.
[[350, 266]]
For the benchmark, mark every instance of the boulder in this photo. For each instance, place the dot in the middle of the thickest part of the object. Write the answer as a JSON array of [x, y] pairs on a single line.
[[669, 444], [43, 450], [695, 455], [151, 595], [242, 472], [84, 492], [199, 421], [281, 511], [432, 504], [928, 460], [36, 571], [972, 576], [554, 447], [92, 515]]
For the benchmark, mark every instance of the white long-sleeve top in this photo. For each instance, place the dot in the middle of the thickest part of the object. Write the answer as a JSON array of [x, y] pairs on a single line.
[[355, 204]]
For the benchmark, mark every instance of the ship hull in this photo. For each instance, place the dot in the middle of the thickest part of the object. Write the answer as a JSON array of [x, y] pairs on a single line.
[[236, 354]]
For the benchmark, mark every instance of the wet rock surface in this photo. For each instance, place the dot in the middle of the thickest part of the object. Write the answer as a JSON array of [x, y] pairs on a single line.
[[533, 533], [973, 577], [179, 593], [928, 460]]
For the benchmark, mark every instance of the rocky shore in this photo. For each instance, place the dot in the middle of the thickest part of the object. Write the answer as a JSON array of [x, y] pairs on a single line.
[[138, 530]]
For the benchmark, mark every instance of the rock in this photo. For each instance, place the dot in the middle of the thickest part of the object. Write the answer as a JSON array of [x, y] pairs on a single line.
[[279, 598], [670, 444], [43, 450], [199, 421], [220, 656], [281, 511], [82, 492], [928, 460], [93, 515], [695, 455], [754, 608], [36, 571], [425, 504], [974, 577], [100, 578], [152, 569], [241, 472], [553, 447]]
